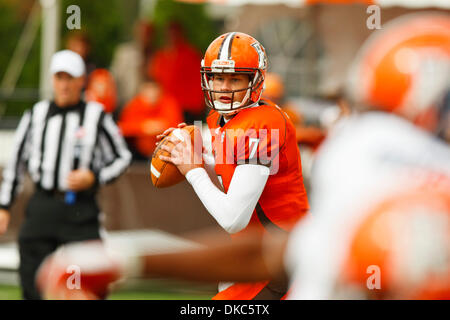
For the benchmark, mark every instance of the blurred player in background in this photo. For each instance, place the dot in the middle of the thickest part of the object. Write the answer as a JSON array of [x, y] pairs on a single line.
[[380, 212], [175, 68], [101, 88], [129, 62], [310, 136], [147, 115], [79, 42]]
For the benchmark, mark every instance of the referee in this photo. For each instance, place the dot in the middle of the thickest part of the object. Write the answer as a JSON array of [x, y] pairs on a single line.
[[69, 148]]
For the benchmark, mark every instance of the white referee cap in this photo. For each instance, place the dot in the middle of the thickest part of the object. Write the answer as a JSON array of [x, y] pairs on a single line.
[[67, 61]]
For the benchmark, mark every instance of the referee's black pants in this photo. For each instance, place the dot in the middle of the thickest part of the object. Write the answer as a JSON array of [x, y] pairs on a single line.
[[50, 222]]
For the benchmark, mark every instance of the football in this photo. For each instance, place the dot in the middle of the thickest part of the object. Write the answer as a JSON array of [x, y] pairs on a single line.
[[165, 174]]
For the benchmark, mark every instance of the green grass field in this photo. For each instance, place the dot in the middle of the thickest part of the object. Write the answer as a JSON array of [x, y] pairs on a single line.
[[151, 293]]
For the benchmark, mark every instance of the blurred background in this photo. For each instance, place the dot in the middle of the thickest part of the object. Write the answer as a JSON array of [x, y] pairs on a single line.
[[143, 59]]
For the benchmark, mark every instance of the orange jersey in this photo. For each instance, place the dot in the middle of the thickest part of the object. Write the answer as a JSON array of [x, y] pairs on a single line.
[[261, 135], [134, 117]]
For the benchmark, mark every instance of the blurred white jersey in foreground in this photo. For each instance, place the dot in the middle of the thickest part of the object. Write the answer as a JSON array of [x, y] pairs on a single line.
[[366, 158]]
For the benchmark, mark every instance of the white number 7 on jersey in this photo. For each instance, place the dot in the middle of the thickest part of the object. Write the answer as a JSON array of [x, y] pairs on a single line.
[[255, 146]]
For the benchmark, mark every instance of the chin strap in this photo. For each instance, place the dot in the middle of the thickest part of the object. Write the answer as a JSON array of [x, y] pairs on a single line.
[[232, 112]]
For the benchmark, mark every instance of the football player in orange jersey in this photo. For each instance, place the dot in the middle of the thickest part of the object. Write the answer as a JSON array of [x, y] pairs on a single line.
[[256, 156]]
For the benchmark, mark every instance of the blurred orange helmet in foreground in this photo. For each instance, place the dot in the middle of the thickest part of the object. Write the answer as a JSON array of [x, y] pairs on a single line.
[[234, 52], [406, 240], [101, 88], [274, 87], [405, 67]]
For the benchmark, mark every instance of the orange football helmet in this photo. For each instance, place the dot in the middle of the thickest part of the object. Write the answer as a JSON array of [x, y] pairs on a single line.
[[405, 67], [407, 238], [234, 52], [274, 87]]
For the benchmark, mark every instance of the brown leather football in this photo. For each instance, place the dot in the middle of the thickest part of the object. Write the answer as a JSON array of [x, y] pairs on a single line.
[[163, 173]]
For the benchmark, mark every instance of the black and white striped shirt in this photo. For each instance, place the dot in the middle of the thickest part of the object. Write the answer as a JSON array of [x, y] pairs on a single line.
[[51, 141]]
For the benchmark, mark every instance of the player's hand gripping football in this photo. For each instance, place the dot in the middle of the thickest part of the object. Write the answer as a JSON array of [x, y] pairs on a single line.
[[185, 153], [161, 136]]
